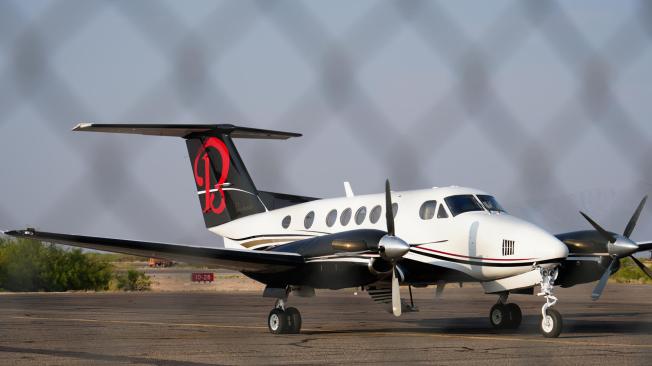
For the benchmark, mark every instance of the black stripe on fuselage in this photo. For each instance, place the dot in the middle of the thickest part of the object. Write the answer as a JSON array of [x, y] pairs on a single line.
[[486, 264], [271, 236]]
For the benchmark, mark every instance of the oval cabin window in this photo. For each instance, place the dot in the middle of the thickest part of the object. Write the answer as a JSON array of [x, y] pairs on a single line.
[[286, 222], [360, 215], [331, 218], [310, 217], [427, 210], [375, 213], [345, 217]]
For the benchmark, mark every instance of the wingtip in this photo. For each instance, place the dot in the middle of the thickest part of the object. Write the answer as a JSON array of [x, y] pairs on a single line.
[[81, 126], [16, 233]]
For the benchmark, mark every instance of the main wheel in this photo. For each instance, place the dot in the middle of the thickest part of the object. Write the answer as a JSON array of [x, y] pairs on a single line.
[[551, 324], [515, 315], [277, 321], [293, 319], [499, 317]]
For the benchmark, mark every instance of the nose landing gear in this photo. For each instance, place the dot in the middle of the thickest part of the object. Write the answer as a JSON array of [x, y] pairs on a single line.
[[551, 321]]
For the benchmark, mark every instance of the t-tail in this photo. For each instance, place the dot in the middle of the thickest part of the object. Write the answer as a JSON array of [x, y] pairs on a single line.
[[225, 189]]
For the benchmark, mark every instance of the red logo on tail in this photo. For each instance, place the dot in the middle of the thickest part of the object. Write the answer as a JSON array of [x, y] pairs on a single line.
[[205, 180]]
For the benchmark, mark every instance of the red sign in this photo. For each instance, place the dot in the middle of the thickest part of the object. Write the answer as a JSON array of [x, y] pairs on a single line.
[[203, 277]]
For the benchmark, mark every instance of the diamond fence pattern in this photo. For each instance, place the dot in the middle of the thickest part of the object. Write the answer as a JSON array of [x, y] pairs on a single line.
[[189, 51]]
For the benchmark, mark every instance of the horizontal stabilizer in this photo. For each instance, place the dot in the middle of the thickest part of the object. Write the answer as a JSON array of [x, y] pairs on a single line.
[[186, 130], [235, 259]]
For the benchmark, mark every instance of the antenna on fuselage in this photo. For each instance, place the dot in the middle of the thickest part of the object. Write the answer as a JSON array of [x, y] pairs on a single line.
[[348, 190]]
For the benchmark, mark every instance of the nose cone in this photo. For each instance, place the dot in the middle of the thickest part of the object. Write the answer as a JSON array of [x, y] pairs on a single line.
[[556, 248], [622, 247], [392, 247], [533, 242]]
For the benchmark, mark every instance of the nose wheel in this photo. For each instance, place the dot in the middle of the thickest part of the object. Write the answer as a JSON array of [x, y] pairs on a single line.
[[551, 320], [282, 320], [551, 324]]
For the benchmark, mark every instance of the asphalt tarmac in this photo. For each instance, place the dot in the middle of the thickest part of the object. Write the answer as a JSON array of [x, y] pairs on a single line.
[[339, 327]]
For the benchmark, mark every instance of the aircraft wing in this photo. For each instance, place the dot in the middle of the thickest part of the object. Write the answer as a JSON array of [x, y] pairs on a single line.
[[239, 260]]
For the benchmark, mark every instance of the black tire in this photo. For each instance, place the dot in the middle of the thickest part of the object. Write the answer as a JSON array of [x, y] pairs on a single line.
[[499, 317], [515, 315], [294, 320], [552, 328], [277, 321]]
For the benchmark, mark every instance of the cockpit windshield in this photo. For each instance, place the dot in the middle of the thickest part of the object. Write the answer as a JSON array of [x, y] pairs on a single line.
[[490, 203], [462, 203]]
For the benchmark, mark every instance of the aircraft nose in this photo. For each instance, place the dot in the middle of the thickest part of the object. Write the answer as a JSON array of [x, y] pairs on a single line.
[[549, 250], [538, 243], [556, 248]]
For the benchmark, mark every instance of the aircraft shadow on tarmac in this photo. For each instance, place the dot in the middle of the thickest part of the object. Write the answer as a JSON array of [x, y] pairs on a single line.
[[574, 326]]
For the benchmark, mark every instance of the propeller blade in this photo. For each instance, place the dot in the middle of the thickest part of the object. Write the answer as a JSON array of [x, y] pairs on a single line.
[[642, 266], [396, 294], [644, 246], [389, 214], [597, 291], [632, 222], [599, 228]]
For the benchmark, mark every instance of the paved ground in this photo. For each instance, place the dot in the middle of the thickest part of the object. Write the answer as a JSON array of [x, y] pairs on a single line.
[[222, 328]]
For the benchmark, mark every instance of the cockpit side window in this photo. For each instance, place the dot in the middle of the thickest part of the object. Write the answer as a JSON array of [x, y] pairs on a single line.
[[462, 203], [441, 213], [490, 203]]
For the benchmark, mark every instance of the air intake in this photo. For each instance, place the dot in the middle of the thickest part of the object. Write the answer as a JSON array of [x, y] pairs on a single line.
[[508, 247]]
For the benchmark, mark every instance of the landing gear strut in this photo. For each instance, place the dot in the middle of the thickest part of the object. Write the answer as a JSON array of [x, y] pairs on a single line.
[[505, 316], [551, 321], [282, 320]]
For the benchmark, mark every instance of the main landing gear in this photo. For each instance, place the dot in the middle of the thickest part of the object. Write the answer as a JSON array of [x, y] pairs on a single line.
[[505, 316], [282, 320], [551, 322]]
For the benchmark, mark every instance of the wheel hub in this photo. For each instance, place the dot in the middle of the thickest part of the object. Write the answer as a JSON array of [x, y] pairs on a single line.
[[497, 316], [547, 324], [274, 321]]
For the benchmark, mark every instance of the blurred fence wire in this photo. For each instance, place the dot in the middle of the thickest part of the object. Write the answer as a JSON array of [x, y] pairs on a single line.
[[190, 49]]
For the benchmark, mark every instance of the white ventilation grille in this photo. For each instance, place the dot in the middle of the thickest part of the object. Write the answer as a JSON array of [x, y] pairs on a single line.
[[508, 247]]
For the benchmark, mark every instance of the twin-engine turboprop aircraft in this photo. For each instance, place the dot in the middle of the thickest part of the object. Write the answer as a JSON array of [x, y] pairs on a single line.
[[296, 244]]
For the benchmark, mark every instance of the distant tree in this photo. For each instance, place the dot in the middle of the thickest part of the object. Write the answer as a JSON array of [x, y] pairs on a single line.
[[26, 265]]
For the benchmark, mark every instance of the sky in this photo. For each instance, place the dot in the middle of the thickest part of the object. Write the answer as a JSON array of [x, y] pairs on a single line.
[[544, 105]]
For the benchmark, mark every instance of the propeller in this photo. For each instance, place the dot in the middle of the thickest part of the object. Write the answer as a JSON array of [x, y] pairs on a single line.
[[618, 246], [392, 249]]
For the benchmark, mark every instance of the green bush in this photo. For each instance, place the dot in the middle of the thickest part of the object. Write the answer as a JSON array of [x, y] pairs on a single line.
[[630, 273], [133, 281], [26, 265]]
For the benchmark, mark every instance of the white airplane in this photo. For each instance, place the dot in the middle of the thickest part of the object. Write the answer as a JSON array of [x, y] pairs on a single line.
[[296, 244]]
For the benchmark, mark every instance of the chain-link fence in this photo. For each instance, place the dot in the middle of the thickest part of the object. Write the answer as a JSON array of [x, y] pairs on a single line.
[[543, 103]]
